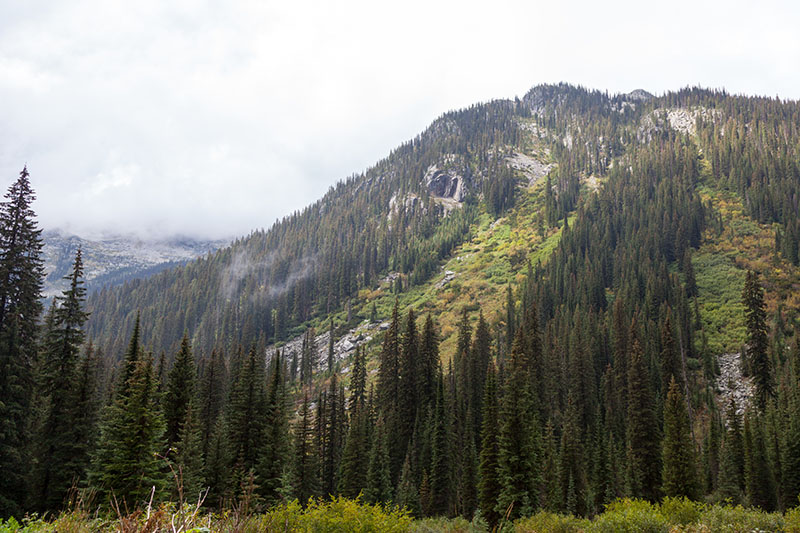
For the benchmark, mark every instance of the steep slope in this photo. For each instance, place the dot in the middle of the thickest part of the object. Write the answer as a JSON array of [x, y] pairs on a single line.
[[410, 213]]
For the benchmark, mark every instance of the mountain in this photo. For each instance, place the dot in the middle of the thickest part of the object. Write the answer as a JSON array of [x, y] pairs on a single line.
[[408, 214], [546, 303], [114, 260]]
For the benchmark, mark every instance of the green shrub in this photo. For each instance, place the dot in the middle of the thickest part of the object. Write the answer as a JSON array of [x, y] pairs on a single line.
[[634, 516], [681, 511], [730, 519]]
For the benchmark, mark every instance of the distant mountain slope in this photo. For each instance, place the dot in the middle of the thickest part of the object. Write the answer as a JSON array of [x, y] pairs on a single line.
[[424, 205], [114, 260]]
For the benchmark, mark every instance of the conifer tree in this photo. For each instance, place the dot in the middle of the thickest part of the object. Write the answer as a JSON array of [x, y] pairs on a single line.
[[670, 362], [358, 383], [355, 455], [333, 440], [305, 467], [429, 362], [275, 450], [680, 465], [759, 481], [758, 360], [216, 467], [21, 274], [245, 416], [379, 482], [790, 459], [407, 400], [61, 354], [731, 472], [489, 484], [441, 458], [573, 472], [644, 450], [211, 398], [180, 391], [126, 465], [407, 492], [519, 452], [188, 458]]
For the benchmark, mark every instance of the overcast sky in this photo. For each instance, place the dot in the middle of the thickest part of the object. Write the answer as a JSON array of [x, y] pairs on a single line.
[[213, 118]]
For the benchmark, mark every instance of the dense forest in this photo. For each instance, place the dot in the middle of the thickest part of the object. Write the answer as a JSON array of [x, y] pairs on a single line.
[[594, 381]]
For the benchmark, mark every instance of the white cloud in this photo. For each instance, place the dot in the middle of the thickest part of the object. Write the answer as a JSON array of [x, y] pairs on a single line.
[[213, 118]]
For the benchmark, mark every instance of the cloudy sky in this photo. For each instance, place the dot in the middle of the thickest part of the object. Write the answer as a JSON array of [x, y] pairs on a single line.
[[212, 118]]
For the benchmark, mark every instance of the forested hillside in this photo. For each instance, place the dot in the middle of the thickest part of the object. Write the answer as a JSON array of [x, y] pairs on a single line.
[[534, 305]]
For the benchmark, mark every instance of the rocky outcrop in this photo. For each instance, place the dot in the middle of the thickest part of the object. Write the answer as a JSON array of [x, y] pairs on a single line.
[[533, 169], [443, 183], [342, 347], [732, 384]]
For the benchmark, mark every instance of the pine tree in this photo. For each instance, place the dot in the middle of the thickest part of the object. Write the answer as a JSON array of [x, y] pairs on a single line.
[[358, 383], [759, 482], [519, 438], [126, 465], [731, 472], [61, 354], [216, 467], [355, 455], [188, 458], [644, 450], [429, 362], [275, 450], [407, 492], [211, 398], [333, 440], [21, 274], [441, 456], [180, 391], [489, 485], [305, 467], [790, 459], [379, 482], [758, 360], [407, 400], [680, 465], [573, 473], [670, 362], [245, 416]]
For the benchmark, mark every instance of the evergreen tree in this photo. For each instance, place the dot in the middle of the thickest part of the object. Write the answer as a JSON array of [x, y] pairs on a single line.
[[126, 466], [355, 456], [379, 482], [180, 392], [61, 355], [211, 398], [216, 467], [407, 400], [441, 456], [670, 362], [245, 416], [758, 359], [429, 362], [21, 274], [489, 486], [275, 450], [731, 474], [644, 450], [519, 438], [407, 492], [790, 460], [189, 458], [759, 482], [305, 468], [680, 466], [573, 472]]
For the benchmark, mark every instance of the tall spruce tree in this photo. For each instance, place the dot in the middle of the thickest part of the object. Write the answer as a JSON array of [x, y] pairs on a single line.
[[680, 465], [758, 360], [180, 391], [61, 382], [758, 475], [489, 484], [245, 416], [126, 466], [305, 464], [519, 447], [275, 450], [379, 482], [643, 436], [21, 274]]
